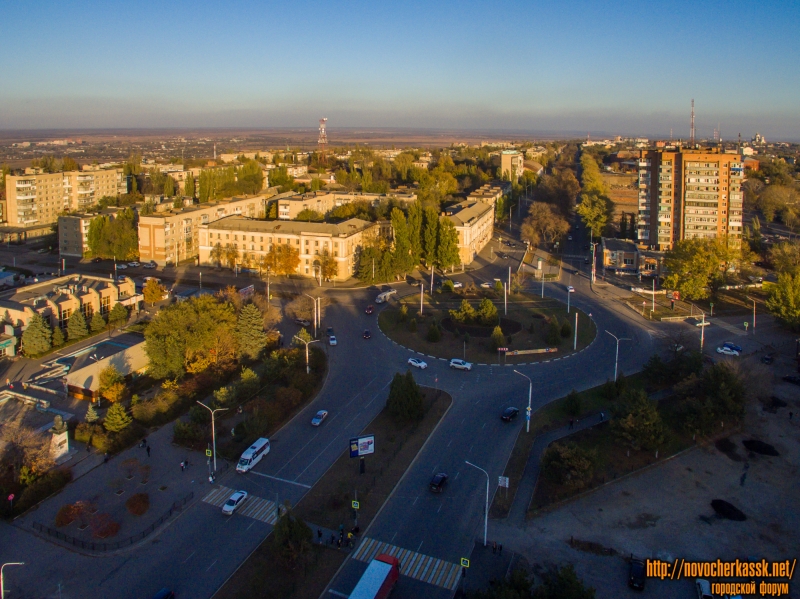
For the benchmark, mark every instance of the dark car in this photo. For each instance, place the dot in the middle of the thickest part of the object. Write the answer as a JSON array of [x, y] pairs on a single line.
[[329, 331], [164, 594], [792, 378], [636, 574], [768, 358], [437, 482], [96, 260], [370, 309], [367, 334], [303, 322], [509, 414], [733, 346]]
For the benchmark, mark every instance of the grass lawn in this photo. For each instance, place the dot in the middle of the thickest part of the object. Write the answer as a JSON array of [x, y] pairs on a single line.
[[267, 575], [614, 458], [528, 310]]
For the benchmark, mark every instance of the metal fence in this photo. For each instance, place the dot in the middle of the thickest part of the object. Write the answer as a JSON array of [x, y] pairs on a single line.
[[99, 546]]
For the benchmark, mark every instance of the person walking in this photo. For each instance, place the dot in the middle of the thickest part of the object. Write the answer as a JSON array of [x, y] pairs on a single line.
[[494, 547], [148, 451], [339, 543], [333, 539], [105, 458], [500, 549], [319, 536], [183, 466]]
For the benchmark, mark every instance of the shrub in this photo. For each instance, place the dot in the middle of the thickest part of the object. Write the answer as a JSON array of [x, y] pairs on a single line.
[[552, 332], [572, 404], [66, 515], [566, 329], [117, 418], [138, 504], [403, 314], [103, 527], [292, 537], [497, 339], [434, 334], [498, 286], [187, 433], [637, 421], [405, 399], [42, 488], [569, 465], [412, 325], [288, 397], [101, 441], [83, 432]]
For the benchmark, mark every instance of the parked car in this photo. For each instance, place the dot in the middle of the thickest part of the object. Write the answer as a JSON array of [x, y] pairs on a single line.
[[703, 589], [569, 237], [149, 264], [42, 251], [329, 331], [417, 363], [319, 417], [767, 359], [509, 414], [234, 502], [636, 574], [486, 286], [570, 289], [727, 351], [459, 364], [384, 296], [332, 340], [457, 284], [121, 266], [134, 264], [302, 322], [438, 482], [733, 346], [792, 378], [370, 309], [367, 334]]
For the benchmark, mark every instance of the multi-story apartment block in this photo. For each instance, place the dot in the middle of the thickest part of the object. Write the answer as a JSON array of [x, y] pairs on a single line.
[[173, 235], [512, 164], [491, 193], [73, 234], [255, 238], [323, 201], [37, 198], [474, 222], [686, 193]]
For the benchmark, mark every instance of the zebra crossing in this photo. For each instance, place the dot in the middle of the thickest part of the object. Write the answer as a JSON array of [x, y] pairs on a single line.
[[254, 507], [728, 327], [412, 564]]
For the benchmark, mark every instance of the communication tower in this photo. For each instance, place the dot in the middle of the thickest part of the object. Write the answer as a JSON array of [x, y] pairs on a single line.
[[323, 137], [692, 133]]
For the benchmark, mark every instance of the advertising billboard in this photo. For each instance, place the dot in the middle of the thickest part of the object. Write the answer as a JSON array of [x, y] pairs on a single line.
[[361, 446]]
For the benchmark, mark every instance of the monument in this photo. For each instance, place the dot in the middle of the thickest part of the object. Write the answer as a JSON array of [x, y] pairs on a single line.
[[59, 442]]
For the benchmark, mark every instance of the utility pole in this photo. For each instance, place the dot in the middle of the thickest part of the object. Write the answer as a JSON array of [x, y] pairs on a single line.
[[421, 289], [486, 509], [505, 299], [307, 343], [530, 394], [509, 278], [2, 581], [213, 433], [702, 332], [616, 356], [575, 340], [314, 300]]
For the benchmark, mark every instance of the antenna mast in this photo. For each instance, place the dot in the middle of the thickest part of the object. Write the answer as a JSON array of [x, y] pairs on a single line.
[[692, 131], [323, 137]]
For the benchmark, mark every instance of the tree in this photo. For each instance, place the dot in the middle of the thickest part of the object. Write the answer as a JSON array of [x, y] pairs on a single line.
[[784, 299], [637, 421], [696, 264], [560, 189], [283, 259], [169, 187], [117, 238], [250, 332], [593, 210], [562, 584], [311, 216], [111, 384], [36, 339], [569, 464], [328, 266], [498, 339], [118, 315], [76, 326], [415, 214], [543, 223], [153, 292], [447, 254], [91, 414], [572, 403], [98, 323], [189, 186], [487, 312], [58, 337], [292, 537], [785, 256], [402, 253], [117, 419], [466, 314], [553, 332], [776, 198], [430, 235], [405, 398], [434, 334]]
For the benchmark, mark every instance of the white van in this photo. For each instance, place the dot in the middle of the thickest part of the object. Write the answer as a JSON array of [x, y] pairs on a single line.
[[252, 455], [382, 297]]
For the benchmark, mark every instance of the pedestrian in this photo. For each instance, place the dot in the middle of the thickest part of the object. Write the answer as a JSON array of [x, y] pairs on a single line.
[[319, 536], [494, 547], [500, 549], [339, 543], [602, 416], [8, 381], [790, 415], [105, 458], [148, 451], [333, 539], [571, 422], [183, 466], [88, 448]]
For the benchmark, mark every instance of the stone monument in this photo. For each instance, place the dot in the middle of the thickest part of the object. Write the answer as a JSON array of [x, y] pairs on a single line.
[[59, 443]]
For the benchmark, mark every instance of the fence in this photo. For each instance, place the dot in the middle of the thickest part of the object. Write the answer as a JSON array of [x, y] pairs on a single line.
[[98, 546]]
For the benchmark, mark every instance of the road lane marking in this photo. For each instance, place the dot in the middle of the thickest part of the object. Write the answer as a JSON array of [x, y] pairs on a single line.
[[254, 507], [212, 565], [393, 536], [283, 480], [190, 556]]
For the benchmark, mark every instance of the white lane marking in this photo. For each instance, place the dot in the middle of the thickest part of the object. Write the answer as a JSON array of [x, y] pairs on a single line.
[[190, 556], [456, 477], [415, 500], [451, 442], [420, 546], [440, 508], [393, 536], [484, 426], [283, 480], [211, 566]]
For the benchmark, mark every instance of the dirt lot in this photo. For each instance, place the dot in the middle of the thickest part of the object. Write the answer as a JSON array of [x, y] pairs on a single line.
[[666, 512]]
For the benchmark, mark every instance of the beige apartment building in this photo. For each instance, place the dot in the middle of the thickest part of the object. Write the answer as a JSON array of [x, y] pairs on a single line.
[[689, 193], [512, 164], [342, 241], [173, 235], [58, 299], [474, 221], [37, 198], [324, 201], [491, 193], [73, 234]]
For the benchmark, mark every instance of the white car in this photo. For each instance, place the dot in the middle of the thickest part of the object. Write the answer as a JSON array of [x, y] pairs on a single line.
[[417, 363], [570, 289], [149, 265], [332, 340], [121, 266], [457, 284], [134, 264], [727, 351], [486, 286], [319, 417], [459, 364], [569, 237], [234, 502]]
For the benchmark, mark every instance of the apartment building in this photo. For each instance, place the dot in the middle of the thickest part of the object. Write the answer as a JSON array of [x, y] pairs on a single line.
[[512, 164], [37, 198], [73, 234], [173, 235], [233, 157], [255, 238], [689, 193], [474, 222], [491, 193], [324, 201], [58, 299]]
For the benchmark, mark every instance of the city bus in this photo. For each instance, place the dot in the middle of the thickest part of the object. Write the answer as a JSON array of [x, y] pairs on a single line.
[[253, 454]]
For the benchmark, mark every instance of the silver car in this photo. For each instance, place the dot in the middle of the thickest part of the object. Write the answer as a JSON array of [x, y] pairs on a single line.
[[234, 502]]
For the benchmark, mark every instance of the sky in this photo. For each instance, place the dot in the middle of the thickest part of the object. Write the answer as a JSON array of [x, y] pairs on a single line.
[[574, 67]]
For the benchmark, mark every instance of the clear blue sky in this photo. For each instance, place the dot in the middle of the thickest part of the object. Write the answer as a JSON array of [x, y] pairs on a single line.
[[577, 66]]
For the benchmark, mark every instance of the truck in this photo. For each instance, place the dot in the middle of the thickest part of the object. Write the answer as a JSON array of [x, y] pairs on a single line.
[[378, 579]]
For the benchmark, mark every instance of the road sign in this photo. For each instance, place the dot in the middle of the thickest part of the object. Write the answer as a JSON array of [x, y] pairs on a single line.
[[355, 505], [361, 446], [528, 409], [503, 481], [208, 453], [464, 562], [502, 349]]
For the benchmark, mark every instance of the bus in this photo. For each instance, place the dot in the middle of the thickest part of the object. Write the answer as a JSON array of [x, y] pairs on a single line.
[[252, 455], [378, 579], [384, 297]]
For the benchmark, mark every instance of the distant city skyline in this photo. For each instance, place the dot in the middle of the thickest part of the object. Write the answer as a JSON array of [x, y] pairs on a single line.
[[571, 69]]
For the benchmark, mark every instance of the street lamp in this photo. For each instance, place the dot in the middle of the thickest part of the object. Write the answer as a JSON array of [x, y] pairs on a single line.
[[213, 433], [2, 585], [316, 319], [754, 313], [530, 392], [307, 343], [616, 356], [486, 509]]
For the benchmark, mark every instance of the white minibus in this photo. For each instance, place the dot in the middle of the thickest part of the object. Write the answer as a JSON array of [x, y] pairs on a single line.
[[253, 454]]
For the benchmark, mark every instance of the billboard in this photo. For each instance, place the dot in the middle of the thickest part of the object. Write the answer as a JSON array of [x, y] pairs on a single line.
[[361, 446]]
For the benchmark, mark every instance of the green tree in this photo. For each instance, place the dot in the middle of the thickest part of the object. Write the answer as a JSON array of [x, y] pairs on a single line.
[[572, 404], [543, 223], [58, 337], [98, 323], [785, 256], [430, 235], [169, 186], [593, 210], [405, 398], [91, 414], [695, 265], [152, 291], [498, 339], [109, 377], [117, 419], [402, 253], [76, 326], [415, 217], [637, 421], [292, 537], [466, 314], [118, 315], [562, 583], [784, 299], [569, 464], [189, 186], [566, 328], [250, 332], [447, 255], [434, 334], [487, 312], [37, 336], [553, 332], [311, 216]]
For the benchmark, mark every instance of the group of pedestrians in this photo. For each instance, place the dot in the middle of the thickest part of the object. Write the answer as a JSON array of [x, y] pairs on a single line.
[[497, 549], [340, 540]]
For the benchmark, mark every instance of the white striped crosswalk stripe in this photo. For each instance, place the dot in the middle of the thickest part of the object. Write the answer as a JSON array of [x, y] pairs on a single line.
[[412, 564], [254, 507]]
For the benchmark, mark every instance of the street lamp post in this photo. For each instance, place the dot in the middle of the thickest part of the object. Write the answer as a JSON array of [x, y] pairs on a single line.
[[313, 299], [2, 582], [616, 356], [754, 313], [307, 343], [486, 509], [213, 432], [530, 393], [201, 280]]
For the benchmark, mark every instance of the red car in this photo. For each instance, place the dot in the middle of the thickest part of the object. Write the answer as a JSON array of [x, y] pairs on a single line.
[[370, 309]]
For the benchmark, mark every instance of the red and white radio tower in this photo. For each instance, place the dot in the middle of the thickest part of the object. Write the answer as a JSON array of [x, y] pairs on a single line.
[[323, 137]]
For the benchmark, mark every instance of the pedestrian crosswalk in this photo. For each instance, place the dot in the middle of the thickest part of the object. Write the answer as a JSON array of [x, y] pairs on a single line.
[[412, 564], [254, 507], [728, 327]]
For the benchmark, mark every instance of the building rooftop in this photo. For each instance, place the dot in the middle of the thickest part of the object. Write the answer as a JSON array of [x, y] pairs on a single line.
[[291, 227], [52, 288], [619, 245], [465, 213], [205, 206]]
